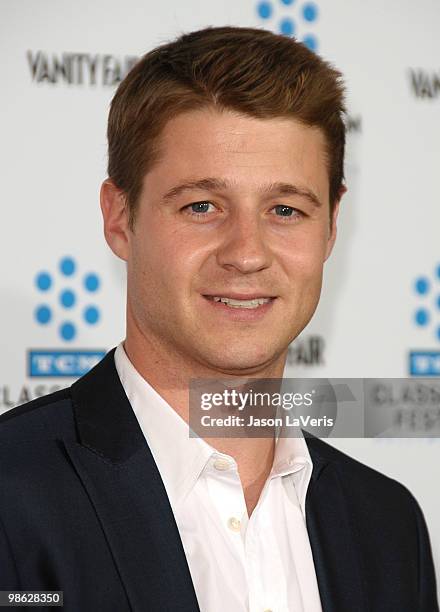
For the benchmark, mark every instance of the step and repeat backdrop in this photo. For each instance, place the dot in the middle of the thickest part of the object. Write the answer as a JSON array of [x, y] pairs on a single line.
[[63, 292]]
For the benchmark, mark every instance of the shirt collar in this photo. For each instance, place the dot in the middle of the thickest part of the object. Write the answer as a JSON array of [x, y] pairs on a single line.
[[167, 435], [292, 458]]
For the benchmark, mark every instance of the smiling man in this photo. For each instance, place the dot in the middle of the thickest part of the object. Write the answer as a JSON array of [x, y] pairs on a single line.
[[226, 152]]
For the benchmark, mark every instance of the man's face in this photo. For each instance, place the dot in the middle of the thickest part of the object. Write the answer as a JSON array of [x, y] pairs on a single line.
[[237, 208]]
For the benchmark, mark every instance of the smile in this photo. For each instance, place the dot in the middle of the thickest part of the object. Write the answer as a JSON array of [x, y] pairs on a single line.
[[254, 303], [236, 303]]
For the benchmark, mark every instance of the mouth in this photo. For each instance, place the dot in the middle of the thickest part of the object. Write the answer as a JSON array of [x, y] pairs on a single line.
[[238, 302]]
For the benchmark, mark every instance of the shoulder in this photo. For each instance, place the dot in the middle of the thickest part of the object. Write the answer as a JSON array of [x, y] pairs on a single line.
[[53, 413], [43, 418], [362, 484]]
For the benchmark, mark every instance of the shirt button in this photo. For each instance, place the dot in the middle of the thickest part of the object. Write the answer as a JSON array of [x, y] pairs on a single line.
[[222, 464], [234, 524]]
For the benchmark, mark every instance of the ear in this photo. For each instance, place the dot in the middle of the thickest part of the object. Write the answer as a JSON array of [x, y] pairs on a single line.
[[333, 223], [115, 215]]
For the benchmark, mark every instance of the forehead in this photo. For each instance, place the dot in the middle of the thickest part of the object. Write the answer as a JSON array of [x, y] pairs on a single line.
[[241, 149]]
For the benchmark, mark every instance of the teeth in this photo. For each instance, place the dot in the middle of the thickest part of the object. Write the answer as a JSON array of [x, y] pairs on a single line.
[[242, 303]]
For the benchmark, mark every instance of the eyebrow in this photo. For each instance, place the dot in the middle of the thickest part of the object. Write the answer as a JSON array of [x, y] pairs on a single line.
[[216, 184]]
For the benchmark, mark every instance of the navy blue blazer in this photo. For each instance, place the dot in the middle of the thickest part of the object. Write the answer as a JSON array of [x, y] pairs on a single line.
[[83, 509]]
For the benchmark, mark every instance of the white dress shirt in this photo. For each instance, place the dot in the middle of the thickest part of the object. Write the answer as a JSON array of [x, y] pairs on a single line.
[[237, 564]]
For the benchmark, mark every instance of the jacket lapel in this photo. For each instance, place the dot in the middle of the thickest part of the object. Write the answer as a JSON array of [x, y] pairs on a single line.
[[332, 535], [117, 469]]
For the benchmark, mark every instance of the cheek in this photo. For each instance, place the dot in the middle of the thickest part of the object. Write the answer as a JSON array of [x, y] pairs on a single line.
[[163, 261], [304, 256]]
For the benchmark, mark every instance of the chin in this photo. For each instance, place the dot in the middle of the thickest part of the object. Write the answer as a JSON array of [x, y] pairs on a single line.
[[248, 360]]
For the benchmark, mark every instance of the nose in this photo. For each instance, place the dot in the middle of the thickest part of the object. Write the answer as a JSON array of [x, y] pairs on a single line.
[[244, 247]]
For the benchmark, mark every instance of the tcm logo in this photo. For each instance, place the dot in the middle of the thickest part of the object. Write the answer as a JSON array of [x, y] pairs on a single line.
[[291, 18], [427, 317], [62, 363], [68, 305], [424, 363]]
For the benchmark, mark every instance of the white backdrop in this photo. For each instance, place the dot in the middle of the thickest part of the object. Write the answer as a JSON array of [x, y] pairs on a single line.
[[381, 295]]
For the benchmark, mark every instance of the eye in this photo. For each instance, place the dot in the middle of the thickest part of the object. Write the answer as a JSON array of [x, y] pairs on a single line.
[[288, 212], [199, 209]]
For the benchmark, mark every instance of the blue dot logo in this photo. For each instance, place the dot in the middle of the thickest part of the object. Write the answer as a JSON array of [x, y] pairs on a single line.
[[43, 281], [422, 316], [67, 266], [65, 302], [91, 315], [91, 282], [310, 42], [287, 26], [427, 290], [302, 18], [43, 314], [264, 10], [67, 331], [67, 298], [310, 12], [422, 285]]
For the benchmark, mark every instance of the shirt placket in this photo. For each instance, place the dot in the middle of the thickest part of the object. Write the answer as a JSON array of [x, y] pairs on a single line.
[[264, 570], [226, 494]]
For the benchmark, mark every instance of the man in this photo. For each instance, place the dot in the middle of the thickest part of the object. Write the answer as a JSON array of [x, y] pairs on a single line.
[[225, 177]]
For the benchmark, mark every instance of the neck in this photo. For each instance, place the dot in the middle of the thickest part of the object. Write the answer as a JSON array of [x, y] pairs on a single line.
[[169, 373]]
